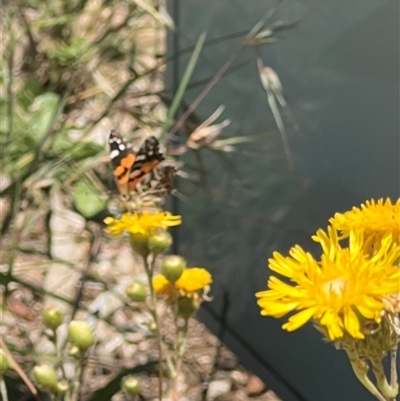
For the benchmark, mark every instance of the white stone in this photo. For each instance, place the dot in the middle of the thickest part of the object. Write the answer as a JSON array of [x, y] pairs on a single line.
[[217, 388]]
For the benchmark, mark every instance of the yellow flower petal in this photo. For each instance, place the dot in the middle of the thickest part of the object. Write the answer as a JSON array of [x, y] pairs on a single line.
[[333, 323], [193, 280], [299, 319], [276, 309], [115, 227], [376, 218], [144, 223], [161, 285], [352, 324]]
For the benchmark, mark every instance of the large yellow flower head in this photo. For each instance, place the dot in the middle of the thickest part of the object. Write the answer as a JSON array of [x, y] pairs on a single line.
[[144, 223], [340, 290], [376, 218]]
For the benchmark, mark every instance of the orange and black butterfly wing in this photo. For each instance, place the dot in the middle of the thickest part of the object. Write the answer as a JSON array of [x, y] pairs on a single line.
[[147, 159], [160, 181], [122, 159], [129, 168]]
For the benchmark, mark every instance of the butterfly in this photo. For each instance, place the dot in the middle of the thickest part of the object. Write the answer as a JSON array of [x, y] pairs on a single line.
[[140, 173]]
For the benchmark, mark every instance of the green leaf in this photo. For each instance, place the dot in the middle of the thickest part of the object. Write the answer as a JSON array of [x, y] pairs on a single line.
[[27, 95], [44, 110], [62, 144], [51, 22], [183, 85], [71, 52], [87, 200], [23, 163]]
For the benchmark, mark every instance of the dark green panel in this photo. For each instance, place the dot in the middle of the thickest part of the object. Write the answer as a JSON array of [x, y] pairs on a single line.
[[339, 67]]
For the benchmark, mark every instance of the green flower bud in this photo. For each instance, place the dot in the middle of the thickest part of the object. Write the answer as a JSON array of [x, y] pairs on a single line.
[[46, 377], [136, 291], [62, 387], [160, 242], [173, 267], [187, 306], [131, 385], [152, 327], [52, 317], [140, 244], [75, 352], [4, 362], [80, 334]]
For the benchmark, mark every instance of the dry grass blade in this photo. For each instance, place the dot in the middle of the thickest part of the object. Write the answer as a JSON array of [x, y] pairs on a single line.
[[20, 372]]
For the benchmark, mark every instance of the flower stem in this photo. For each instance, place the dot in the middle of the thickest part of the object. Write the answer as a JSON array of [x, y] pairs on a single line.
[[54, 339], [360, 369], [390, 392], [180, 352], [393, 366], [149, 268], [73, 394], [3, 389]]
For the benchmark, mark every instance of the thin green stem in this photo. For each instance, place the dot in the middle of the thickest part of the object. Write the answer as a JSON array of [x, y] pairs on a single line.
[[149, 268], [217, 77], [389, 392], [76, 384], [54, 340], [10, 67], [180, 352], [206, 90], [360, 368], [15, 232], [17, 368], [183, 85], [393, 367], [3, 389]]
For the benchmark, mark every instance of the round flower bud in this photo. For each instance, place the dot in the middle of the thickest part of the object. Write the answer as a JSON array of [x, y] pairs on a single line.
[[52, 317], [131, 385], [46, 377], [140, 244], [80, 334], [4, 362], [136, 291], [187, 306], [173, 267], [160, 242], [152, 327], [62, 387], [74, 352]]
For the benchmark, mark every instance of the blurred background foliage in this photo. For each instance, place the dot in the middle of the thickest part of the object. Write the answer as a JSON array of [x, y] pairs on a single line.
[[71, 71]]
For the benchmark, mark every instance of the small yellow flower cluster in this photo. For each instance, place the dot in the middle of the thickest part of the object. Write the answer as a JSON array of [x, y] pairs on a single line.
[[349, 284], [144, 223], [147, 230], [192, 281], [188, 291]]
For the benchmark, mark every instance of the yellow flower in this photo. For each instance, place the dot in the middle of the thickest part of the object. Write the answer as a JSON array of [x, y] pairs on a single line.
[[192, 281], [144, 223], [376, 218], [338, 291], [161, 285]]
